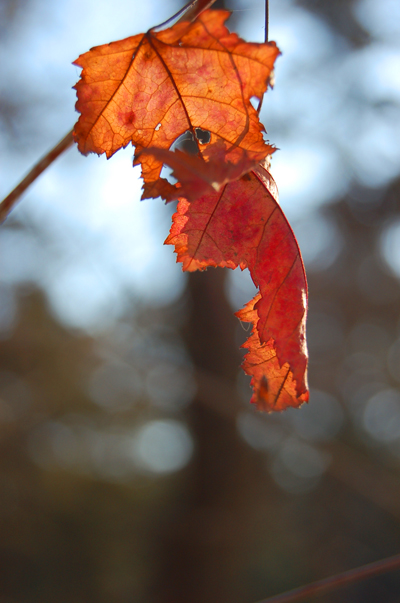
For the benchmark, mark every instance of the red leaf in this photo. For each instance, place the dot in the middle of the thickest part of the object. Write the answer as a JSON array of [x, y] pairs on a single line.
[[243, 225], [197, 177], [151, 88]]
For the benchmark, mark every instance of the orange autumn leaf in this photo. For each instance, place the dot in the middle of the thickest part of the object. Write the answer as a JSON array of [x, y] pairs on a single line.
[[150, 88], [243, 225]]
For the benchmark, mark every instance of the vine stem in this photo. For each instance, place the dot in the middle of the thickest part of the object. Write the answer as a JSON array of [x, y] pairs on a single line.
[[266, 34], [190, 11], [328, 584]]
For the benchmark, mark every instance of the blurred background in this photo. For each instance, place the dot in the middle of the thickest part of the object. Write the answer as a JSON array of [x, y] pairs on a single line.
[[132, 466]]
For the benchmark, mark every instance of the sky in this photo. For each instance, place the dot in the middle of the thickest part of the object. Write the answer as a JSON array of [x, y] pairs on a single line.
[[87, 239]]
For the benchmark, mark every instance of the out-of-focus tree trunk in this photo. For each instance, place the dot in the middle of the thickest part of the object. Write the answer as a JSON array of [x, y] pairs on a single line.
[[203, 546], [204, 543]]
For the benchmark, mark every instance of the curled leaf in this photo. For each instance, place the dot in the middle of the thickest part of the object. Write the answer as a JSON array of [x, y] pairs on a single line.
[[274, 386], [243, 225]]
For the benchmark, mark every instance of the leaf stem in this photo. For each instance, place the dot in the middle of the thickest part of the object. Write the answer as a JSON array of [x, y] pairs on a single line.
[[338, 581], [8, 203], [187, 13]]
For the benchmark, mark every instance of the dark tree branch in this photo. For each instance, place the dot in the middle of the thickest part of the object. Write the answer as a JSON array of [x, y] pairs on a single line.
[[8, 203], [344, 579]]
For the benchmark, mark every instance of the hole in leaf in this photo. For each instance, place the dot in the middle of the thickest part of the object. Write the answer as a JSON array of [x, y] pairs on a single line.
[[158, 126], [203, 136], [166, 173], [185, 143]]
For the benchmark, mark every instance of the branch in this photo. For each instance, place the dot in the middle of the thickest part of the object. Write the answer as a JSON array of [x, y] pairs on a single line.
[[8, 203], [191, 11], [338, 581]]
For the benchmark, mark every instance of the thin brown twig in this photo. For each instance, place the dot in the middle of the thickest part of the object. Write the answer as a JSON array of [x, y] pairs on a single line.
[[265, 40], [195, 9], [187, 13], [8, 203], [266, 33], [338, 581]]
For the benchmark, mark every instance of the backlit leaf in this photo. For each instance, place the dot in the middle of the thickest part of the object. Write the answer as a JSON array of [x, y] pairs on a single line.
[[197, 177], [151, 88], [243, 225]]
